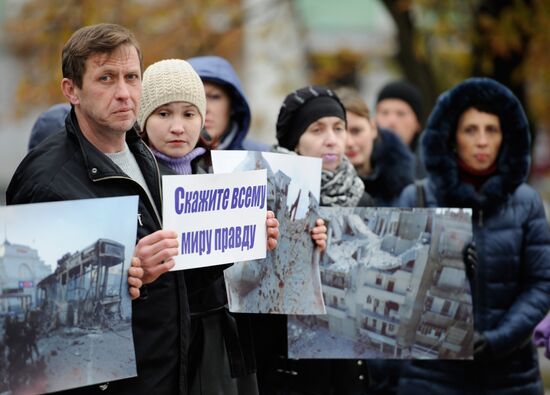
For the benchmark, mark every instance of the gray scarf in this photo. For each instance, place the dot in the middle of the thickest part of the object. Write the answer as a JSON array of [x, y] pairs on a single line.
[[341, 187]]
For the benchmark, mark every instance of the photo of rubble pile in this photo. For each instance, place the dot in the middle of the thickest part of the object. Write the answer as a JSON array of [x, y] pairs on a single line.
[[394, 284], [65, 311], [287, 281]]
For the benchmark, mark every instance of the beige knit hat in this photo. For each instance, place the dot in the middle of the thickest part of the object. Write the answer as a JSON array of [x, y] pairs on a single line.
[[167, 81]]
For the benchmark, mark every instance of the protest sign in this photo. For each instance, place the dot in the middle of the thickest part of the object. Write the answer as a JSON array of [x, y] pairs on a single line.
[[394, 284], [218, 218], [65, 311], [287, 281]]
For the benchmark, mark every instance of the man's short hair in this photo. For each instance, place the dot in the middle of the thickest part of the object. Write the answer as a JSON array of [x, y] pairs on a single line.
[[86, 41]]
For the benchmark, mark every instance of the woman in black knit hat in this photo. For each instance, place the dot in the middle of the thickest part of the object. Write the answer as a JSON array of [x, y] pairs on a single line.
[[311, 122]]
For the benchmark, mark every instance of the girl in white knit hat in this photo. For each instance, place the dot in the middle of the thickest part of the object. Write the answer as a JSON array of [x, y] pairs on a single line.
[[172, 114]]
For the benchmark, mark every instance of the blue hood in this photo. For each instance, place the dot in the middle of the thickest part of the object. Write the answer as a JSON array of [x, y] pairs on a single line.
[[50, 121], [440, 160], [218, 70]]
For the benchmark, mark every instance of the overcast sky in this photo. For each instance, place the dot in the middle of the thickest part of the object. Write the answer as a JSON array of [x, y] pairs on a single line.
[[54, 229]]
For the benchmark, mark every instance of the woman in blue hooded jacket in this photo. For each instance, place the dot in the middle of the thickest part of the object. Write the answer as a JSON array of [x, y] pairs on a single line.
[[477, 153], [227, 111]]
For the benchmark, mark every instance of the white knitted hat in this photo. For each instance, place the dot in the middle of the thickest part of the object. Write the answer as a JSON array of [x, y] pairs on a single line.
[[167, 81]]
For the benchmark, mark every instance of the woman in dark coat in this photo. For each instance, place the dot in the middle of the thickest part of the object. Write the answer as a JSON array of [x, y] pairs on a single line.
[[312, 122], [477, 153]]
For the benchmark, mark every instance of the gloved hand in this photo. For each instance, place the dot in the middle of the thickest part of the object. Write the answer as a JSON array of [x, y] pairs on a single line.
[[482, 348], [469, 256], [541, 336]]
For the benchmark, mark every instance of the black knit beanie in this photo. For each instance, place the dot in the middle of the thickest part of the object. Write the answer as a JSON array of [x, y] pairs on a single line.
[[303, 107], [407, 92]]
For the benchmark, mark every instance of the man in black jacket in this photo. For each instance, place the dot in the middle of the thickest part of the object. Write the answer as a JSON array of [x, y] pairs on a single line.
[[100, 154]]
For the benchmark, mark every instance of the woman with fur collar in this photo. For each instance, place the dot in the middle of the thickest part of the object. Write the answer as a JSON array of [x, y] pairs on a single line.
[[312, 122], [477, 153]]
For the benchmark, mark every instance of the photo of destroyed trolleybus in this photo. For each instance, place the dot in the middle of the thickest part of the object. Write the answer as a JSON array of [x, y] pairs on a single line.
[[80, 303], [79, 292]]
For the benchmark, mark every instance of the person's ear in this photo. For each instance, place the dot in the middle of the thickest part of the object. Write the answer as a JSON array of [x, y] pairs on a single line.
[[70, 91]]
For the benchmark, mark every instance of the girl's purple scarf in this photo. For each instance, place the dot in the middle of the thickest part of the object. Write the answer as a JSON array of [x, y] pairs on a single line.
[[181, 165]]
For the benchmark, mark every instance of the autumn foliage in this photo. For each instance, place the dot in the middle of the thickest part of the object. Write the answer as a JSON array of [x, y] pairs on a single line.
[[165, 29]]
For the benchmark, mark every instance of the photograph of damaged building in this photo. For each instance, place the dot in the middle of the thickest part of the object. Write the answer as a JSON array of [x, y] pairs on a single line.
[[287, 281], [394, 286], [82, 291], [74, 304], [65, 312]]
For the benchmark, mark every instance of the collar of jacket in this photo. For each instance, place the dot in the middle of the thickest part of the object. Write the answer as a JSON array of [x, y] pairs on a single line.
[[439, 156], [393, 166], [100, 167]]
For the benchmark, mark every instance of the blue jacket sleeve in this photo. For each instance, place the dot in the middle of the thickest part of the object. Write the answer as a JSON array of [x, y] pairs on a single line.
[[533, 303]]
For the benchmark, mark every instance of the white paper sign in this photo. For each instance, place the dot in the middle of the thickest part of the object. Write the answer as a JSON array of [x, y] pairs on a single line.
[[219, 218]]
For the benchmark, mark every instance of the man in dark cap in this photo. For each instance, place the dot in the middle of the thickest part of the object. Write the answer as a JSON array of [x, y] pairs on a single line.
[[399, 109]]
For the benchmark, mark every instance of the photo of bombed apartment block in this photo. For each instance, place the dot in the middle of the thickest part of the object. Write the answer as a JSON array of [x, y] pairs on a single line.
[[394, 286]]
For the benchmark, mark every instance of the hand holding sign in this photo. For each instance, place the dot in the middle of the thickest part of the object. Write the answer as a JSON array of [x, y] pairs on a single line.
[[156, 252], [319, 234], [272, 225]]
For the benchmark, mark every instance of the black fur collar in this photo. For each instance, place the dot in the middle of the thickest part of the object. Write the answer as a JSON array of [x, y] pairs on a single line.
[[440, 160]]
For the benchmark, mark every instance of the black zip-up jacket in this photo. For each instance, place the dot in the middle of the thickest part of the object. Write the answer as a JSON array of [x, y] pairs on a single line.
[[207, 295], [66, 166]]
